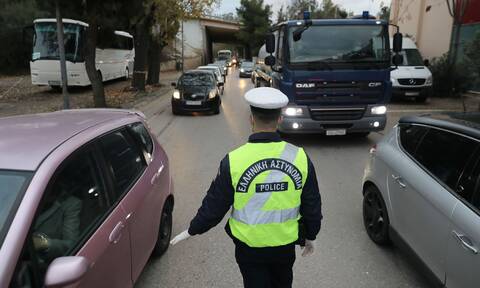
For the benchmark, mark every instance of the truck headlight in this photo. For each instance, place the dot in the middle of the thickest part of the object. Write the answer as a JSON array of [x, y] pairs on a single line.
[[429, 80], [176, 94], [379, 110], [212, 94], [293, 111]]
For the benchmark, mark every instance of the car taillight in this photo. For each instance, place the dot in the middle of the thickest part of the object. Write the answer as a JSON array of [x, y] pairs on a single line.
[[373, 149]]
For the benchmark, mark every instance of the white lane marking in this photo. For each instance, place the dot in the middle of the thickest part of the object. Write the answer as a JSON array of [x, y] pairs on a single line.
[[424, 110]]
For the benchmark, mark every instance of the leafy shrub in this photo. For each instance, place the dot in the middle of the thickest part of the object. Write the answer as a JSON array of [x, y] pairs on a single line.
[[450, 79], [472, 51]]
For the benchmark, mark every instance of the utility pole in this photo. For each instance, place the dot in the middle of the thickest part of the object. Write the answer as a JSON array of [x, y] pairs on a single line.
[[63, 63], [183, 50]]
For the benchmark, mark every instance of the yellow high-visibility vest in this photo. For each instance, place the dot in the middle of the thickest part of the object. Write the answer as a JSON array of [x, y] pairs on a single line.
[[268, 179]]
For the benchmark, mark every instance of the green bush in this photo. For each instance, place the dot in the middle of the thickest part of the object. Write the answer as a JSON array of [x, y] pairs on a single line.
[[448, 79], [472, 51]]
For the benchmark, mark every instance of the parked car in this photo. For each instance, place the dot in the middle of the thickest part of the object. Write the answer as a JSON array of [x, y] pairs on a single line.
[[412, 78], [245, 70], [222, 65], [196, 91], [85, 199], [422, 191], [218, 74]]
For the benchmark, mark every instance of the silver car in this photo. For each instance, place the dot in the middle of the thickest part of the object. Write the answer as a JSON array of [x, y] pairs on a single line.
[[422, 192]]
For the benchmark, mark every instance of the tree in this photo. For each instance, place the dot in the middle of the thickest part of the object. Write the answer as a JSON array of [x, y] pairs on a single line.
[[255, 22], [384, 13], [281, 15], [327, 9], [166, 18]]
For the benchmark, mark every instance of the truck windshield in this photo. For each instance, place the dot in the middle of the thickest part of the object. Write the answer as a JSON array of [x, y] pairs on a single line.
[[12, 186], [45, 44], [340, 44]]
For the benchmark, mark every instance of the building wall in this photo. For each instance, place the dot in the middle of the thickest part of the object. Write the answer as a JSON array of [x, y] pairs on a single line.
[[427, 22]]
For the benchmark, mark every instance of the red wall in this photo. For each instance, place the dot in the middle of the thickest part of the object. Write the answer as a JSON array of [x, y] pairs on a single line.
[[472, 14]]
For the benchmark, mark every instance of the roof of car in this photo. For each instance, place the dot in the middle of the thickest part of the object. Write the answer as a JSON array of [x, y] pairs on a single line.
[[211, 67], [31, 138], [467, 123], [198, 71]]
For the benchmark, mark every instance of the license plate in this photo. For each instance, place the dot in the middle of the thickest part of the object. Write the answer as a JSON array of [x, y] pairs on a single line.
[[54, 83], [412, 93], [336, 132], [194, 103]]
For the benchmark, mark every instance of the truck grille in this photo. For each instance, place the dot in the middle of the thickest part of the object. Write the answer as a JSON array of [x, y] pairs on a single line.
[[411, 81], [336, 114]]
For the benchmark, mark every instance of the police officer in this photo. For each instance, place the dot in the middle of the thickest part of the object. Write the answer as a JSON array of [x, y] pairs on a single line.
[[271, 187]]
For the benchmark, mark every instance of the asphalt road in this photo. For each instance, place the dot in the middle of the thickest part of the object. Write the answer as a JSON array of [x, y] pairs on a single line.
[[345, 257]]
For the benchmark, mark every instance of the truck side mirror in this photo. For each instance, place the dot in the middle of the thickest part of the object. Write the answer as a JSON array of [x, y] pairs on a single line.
[[397, 42], [397, 59], [426, 62], [270, 43], [270, 60]]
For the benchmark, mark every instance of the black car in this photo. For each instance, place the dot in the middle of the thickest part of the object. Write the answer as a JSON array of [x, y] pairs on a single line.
[[246, 69], [196, 91]]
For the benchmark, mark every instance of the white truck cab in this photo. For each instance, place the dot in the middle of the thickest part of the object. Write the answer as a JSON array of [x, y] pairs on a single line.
[[412, 79]]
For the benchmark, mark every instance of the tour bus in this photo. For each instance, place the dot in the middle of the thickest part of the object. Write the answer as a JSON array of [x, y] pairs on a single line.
[[225, 55], [113, 59]]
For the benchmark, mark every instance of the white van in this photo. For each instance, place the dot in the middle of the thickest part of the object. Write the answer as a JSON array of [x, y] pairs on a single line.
[[412, 79]]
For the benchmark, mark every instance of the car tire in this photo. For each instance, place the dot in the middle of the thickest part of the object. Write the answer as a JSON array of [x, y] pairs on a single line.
[[375, 216], [216, 110], [165, 230], [421, 99]]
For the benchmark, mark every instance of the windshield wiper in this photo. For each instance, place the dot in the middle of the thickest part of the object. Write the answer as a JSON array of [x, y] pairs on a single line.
[[312, 65], [297, 34]]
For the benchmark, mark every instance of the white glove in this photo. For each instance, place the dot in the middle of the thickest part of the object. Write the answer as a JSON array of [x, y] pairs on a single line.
[[180, 237], [309, 248]]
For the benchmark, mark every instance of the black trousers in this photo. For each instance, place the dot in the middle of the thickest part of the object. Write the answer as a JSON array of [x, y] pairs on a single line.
[[266, 267], [267, 275]]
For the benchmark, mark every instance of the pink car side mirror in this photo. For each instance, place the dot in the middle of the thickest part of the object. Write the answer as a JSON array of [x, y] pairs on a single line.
[[64, 271]]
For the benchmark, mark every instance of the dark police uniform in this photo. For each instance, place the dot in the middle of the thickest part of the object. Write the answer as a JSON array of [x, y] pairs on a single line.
[[264, 266]]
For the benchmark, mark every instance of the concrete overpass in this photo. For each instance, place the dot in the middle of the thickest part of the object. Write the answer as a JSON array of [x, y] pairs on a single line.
[[199, 35]]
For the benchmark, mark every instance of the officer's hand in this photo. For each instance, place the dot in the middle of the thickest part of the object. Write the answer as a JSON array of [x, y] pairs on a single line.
[[309, 248], [180, 237]]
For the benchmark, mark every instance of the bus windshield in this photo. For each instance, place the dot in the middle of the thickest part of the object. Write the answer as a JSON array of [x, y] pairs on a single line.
[[45, 44], [340, 44]]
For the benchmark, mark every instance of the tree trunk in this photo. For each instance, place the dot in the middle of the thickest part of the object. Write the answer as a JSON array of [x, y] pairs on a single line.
[[141, 50], [154, 52], [94, 75]]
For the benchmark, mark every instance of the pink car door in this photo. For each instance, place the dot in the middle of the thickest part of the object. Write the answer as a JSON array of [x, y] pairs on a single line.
[[137, 177]]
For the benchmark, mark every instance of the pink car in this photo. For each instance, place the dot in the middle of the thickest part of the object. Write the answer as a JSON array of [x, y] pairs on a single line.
[[85, 199]]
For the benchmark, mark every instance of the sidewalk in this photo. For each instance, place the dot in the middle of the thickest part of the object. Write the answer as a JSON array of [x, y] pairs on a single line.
[[18, 96]]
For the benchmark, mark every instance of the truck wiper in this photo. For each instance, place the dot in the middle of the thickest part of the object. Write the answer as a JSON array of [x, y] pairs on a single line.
[[314, 64]]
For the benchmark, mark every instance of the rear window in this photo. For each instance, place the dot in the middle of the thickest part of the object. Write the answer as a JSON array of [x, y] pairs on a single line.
[[12, 186], [196, 79]]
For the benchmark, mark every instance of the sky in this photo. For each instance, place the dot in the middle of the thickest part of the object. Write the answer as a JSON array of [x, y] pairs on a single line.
[[357, 6]]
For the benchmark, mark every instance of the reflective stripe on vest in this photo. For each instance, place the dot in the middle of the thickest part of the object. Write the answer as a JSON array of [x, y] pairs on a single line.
[[252, 213]]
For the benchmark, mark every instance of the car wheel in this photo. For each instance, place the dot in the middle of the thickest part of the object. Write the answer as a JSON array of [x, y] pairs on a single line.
[[216, 110], [165, 230], [375, 216]]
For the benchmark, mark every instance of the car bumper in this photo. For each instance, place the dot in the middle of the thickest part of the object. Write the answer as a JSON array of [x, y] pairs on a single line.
[[180, 105], [416, 92], [310, 126]]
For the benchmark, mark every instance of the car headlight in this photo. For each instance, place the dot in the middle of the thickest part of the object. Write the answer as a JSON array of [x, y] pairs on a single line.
[[242, 70], [393, 80], [429, 80], [379, 110], [225, 68], [293, 111], [176, 94], [212, 94]]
